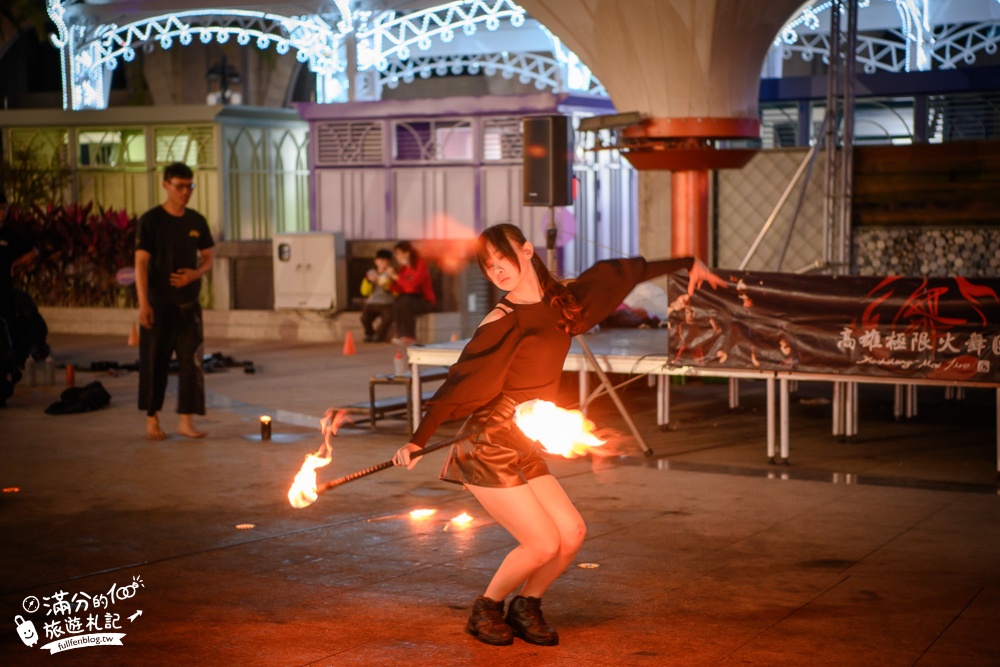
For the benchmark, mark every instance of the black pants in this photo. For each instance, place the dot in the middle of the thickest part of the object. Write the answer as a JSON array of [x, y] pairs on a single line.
[[408, 306], [372, 312], [175, 329]]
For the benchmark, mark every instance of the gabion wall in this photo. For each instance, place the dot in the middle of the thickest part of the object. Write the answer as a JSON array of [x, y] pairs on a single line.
[[926, 251]]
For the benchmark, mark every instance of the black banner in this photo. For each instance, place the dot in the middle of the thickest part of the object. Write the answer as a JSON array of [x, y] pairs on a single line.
[[901, 327]]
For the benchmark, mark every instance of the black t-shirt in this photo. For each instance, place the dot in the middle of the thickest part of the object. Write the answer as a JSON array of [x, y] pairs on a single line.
[[173, 243], [13, 245]]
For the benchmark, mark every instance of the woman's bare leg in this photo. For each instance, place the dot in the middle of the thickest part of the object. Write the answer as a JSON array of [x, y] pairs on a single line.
[[520, 512], [548, 528], [570, 525]]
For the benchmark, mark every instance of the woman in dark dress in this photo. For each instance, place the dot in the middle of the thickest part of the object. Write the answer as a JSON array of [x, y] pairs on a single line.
[[516, 355]]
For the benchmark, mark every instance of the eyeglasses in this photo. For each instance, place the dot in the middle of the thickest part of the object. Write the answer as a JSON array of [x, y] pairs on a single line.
[[183, 186]]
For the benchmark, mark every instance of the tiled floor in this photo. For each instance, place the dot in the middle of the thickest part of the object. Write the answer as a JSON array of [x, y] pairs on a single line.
[[879, 551]]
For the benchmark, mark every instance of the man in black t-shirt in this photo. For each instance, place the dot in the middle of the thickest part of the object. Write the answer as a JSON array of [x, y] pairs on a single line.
[[173, 250]]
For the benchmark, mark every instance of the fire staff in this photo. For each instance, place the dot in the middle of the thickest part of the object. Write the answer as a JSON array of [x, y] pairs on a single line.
[[517, 354]]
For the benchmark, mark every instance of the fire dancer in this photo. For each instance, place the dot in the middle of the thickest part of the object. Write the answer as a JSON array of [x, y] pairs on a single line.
[[173, 250], [517, 354]]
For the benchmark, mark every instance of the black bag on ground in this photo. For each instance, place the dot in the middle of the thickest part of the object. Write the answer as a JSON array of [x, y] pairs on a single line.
[[80, 399]]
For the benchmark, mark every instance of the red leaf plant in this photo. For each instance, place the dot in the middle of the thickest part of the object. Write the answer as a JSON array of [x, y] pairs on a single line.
[[80, 251]]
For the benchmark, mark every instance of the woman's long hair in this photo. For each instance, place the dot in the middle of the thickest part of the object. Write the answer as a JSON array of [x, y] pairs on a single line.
[[500, 238], [410, 251]]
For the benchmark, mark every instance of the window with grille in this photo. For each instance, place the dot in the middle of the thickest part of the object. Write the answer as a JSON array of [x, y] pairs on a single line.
[[192, 145], [104, 148], [503, 140], [43, 147], [433, 141], [349, 142]]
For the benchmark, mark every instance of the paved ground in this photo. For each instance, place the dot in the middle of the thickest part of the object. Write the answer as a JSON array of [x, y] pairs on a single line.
[[880, 551]]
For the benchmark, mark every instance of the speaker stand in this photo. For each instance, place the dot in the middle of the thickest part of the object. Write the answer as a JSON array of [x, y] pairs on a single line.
[[551, 234]]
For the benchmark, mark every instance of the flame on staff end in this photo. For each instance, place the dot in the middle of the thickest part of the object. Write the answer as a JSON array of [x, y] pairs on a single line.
[[303, 490], [564, 432]]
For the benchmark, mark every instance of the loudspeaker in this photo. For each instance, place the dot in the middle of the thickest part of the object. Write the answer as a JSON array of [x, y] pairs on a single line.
[[548, 161]]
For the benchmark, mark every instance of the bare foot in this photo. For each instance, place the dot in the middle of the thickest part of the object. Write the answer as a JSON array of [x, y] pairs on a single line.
[[187, 429], [153, 430]]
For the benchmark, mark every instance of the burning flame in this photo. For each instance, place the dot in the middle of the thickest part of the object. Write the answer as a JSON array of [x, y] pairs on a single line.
[[564, 432], [422, 514], [303, 490]]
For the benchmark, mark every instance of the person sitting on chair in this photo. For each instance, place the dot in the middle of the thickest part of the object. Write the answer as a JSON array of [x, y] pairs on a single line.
[[415, 292], [380, 301]]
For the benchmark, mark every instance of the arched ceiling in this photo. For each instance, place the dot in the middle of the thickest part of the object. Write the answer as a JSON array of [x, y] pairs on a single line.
[[671, 58]]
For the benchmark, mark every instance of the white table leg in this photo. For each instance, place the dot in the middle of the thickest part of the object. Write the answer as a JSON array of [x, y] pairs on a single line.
[[770, 419], [784, 419]]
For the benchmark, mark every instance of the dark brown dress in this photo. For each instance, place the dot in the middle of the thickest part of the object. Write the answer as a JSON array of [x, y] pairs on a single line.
[[517, 358]]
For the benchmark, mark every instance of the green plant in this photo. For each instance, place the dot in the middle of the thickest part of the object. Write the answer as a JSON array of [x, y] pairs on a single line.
[[27, 181], [80, 252]]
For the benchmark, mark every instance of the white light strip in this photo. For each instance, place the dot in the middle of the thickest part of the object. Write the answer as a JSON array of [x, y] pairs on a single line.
[[87, 55], [391, 37]]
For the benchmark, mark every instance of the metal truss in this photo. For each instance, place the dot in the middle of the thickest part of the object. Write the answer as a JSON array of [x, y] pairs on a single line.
[[90, 55], [385, 44], [953, 46], [913, 45], [545, 72], [958, 44], [389, 36]]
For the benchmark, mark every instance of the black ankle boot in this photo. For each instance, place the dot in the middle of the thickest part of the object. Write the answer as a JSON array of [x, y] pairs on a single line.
[[524, 615], [486, 623]]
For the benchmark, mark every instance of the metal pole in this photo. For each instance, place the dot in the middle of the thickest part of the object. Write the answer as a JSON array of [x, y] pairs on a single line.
[[783, 385], [811, 157], [851, 428], [837, 406], [830, 199], [847, 156], [550, 240], [806, 162], [614, 395], [770, 419], [662, 400]]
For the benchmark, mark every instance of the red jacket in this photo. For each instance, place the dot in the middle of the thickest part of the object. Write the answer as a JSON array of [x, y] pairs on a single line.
[[416, 279]]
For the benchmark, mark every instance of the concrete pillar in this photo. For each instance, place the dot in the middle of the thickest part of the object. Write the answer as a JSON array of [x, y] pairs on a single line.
[[654, 213]]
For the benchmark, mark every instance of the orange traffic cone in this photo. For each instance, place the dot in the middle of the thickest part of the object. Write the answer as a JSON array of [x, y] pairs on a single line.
[[349, 348], [133, 336], [454, 336]]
